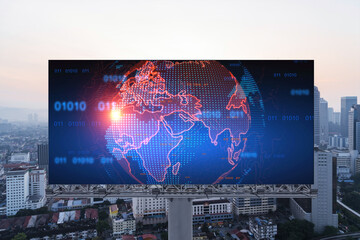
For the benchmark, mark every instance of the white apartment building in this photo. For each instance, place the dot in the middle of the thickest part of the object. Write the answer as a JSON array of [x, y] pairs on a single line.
[[25, 188], [343, 159], [123, 225], [37, 182], [17, 190], [262, 228], [150, 210], [37, 187], [211, 210], [253, 206]]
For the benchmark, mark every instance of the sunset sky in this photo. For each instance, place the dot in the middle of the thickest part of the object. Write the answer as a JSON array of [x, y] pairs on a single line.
[[31, 32]]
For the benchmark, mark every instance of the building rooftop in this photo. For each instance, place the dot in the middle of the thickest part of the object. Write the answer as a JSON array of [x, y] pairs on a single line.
[[342, 154], [202, 202], [262, 221]]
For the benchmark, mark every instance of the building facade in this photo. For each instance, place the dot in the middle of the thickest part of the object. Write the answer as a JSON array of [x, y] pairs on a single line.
[[43, 156], [150, 210], [357, 165], [211, 210], [253, 206], [354, 128], [123, 225], [316, 116], [17, 190], [323, 206], [337, 142], [324, 121], [25, 188], [346, 104], [262, 228], [343, 159]]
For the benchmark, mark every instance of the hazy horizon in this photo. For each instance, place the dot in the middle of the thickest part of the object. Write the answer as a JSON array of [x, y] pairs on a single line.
[[33, 32]]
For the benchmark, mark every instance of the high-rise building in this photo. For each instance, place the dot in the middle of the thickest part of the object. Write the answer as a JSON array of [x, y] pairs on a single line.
[[17, 190], [331, 114], [37, 187], [357, 136], [316, 116], [323, 206], [25, 188], [354, 127], [150, 210], [337, 117], [337, 142], [253, 206], [211, 210], [43, 156], [343, 159], [324, 121], [346, 104]]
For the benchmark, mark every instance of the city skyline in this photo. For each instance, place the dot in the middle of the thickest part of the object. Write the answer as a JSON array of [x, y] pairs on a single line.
[[36, 32]]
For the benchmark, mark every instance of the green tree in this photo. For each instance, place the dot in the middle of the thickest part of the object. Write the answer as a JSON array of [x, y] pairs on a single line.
[[296, 229], [164, 236], [103, 215], [102, 226], [352, 199], [19, 236], [352, 228], [107, 202], [330, 231]]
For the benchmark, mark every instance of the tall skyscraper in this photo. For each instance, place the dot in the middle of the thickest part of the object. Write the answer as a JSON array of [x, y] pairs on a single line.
[[43, 156], [324, 121], [323, 206], [316, 116], [337, 117], [354, 127], [346, 104], [331, 114]]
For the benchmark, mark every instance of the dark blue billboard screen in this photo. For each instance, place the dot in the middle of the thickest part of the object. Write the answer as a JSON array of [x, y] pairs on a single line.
[[181, 122]]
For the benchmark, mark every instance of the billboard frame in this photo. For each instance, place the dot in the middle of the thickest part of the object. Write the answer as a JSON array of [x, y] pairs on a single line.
[[182, 191]]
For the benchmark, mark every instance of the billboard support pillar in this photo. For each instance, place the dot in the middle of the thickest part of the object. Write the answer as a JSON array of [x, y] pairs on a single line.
[[180, 219]]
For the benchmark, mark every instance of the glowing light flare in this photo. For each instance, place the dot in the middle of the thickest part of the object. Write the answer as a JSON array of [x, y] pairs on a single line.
[[115, 115]]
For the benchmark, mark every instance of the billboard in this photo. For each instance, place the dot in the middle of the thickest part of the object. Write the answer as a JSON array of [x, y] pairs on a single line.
[[181, 122]]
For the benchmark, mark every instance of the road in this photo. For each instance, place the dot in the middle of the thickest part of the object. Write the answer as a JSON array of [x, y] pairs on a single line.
[[349, 209], [343, 236]]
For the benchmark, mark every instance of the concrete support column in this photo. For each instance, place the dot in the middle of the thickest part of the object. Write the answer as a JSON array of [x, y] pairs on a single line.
[[180, 219]]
